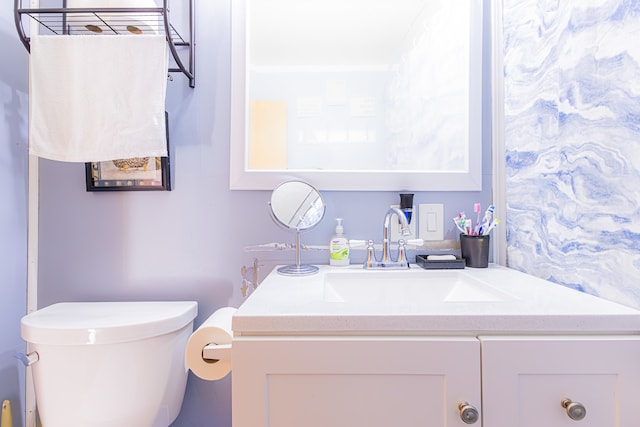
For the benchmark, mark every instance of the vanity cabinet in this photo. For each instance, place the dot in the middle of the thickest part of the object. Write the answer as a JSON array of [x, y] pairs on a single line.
[[526, 379], [513, 381], [353, 348], [352, 382]]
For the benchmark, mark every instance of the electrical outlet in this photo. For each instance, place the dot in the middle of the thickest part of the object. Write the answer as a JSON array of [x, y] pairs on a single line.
[[396, 232], [431, 221]]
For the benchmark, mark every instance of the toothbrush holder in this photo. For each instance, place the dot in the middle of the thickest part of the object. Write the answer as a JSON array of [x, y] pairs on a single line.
[[475, 250]]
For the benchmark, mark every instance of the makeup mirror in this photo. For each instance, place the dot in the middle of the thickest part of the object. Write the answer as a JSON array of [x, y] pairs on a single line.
[[296, 205], [357, 95]]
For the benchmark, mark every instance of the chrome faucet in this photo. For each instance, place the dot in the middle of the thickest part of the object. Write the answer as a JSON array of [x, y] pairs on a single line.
[[387, 261]]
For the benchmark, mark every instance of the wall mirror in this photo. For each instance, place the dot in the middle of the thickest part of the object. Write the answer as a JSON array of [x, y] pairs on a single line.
[[357, 94], [298, 206]]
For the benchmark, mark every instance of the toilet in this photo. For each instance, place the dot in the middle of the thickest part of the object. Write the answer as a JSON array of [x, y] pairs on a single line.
[[109, 364]]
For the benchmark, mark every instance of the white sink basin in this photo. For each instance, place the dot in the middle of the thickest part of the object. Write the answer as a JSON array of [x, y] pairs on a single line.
[[396, 286]]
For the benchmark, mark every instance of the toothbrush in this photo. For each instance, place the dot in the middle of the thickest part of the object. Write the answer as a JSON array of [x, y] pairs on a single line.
[[486, 221], [488, 214], [493, 225], [468, 227], [462, 219], [457, 222], [477, 208]]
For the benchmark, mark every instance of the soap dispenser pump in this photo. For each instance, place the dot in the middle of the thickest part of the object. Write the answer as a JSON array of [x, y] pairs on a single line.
[[339, 246]]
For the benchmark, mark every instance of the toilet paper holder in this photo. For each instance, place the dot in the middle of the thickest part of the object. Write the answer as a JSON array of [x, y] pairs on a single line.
[[213, 353], [208, 354]]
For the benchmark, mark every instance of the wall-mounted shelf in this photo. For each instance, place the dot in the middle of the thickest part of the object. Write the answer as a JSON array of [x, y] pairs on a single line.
[[112, 21]]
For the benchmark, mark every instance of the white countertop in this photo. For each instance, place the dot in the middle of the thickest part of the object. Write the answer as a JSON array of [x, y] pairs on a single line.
[[286, 305]]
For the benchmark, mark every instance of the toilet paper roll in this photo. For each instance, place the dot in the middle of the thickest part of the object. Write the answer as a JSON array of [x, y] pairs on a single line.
[[216, 330], [123, 23]]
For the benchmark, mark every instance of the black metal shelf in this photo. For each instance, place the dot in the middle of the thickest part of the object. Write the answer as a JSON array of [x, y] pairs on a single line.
[[112, 21]]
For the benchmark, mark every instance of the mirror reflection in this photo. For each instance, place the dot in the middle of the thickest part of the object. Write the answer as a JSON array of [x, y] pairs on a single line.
[[298, 206], [353, 85], [362, 88]]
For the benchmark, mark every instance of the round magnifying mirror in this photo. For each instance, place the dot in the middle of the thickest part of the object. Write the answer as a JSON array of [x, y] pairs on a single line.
[[298, 206]]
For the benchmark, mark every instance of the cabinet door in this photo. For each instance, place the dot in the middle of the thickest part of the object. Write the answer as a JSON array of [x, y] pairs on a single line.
[[525, 380], [353, 382]]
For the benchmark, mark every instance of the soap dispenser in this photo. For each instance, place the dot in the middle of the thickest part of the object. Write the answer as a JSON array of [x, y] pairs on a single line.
[[339, 246], [406, 205]]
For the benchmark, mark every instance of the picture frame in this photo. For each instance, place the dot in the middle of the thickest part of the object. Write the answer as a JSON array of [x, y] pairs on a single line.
[[135, 174]]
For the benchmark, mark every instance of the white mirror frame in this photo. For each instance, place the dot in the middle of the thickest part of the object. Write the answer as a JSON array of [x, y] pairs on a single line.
[[242, 178]]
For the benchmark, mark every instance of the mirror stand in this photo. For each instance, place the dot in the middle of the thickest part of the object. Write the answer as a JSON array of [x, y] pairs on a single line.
[[298, 269], [296, 205]]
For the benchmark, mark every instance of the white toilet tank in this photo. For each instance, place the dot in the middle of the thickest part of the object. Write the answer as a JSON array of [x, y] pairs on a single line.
[[109, 364]]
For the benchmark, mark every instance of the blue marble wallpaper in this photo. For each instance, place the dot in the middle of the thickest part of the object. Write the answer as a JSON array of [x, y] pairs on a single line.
[[572, 128]]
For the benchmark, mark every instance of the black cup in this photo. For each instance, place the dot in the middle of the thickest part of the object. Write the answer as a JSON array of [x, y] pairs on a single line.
[[475, 250]]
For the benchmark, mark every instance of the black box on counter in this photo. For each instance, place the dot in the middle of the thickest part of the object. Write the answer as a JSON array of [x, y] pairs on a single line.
[[435, 263]]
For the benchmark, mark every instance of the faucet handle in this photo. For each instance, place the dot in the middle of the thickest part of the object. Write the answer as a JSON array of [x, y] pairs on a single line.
[[402, 255], [415, 242], [371, 255], [357, 243], [401, 251]]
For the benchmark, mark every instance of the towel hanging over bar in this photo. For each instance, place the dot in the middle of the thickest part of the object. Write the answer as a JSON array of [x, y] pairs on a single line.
[[97, 98]]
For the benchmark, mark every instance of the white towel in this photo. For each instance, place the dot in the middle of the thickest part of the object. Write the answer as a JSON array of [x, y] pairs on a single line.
[[97, 98]]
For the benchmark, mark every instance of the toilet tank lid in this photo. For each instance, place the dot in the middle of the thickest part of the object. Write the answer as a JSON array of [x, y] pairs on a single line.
[[79, 323]]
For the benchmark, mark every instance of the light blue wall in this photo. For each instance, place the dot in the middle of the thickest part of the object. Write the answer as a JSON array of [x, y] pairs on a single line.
[[572, 87], [572, 184], [13, 209], [188, 243]]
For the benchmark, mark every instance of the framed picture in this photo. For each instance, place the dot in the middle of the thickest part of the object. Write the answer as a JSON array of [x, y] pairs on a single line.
[[136, 174]]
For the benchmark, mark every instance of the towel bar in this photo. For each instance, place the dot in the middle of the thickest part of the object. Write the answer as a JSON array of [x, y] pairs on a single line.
[[104, 21]]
